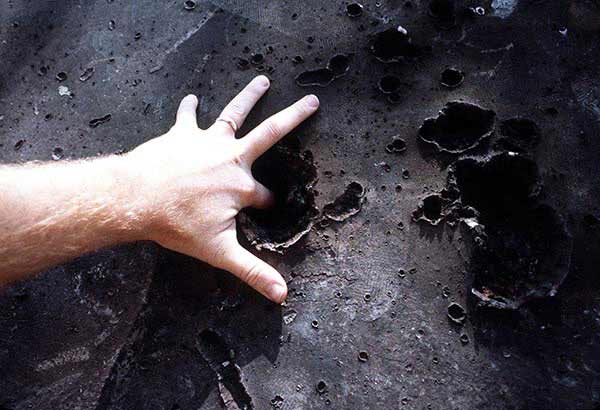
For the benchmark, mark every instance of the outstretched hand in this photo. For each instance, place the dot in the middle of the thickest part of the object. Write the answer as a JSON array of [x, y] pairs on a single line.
[[194, 182]]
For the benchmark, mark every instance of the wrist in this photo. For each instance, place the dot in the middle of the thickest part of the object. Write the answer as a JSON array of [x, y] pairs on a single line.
[[130, 204]]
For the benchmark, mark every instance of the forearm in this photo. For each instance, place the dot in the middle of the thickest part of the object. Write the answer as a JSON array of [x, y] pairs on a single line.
[[50, 213]]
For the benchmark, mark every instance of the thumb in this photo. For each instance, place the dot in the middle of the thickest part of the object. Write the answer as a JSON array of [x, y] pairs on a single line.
[[255, 272], [186, 113]]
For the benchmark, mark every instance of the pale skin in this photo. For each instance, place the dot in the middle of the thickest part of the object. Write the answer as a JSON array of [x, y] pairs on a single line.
[[182, 190]]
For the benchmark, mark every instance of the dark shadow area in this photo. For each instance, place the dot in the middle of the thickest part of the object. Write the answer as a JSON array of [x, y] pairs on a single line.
[[59, 330], [542, 335], [459, 127], [523, 249], [196, 319]]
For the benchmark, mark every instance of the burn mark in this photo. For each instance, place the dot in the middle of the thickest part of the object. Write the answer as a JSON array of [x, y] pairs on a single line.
[[452, 78], [394, 98], [337, 66], [430, 210], [243, 64], [189, 5], [86, 74], [456, 313], [397, 145], [321, 387], [389, 84], [61, 76], [459, 127], [215, 352], [354, 10], [257, 58], [518, 135], [444, 206], [347, 204], [291, 176], [521, 247], [19, 144], [320, 77], [394, 44], [97, 121]]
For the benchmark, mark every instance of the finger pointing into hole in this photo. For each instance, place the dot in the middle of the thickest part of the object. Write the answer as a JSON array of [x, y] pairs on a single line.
[[263, 198]]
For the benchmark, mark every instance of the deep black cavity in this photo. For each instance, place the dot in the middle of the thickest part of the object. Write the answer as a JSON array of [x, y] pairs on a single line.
[[347, 204], [432, 207], [257, 58], [452, 77], [389, 84], [518, 135], [444, 11], [290, 175], [497, 188], [215, 352], [61, 76], [397, 146], [459, 127], [523, 251], [339, 64], [354, 9], [393, 45], [456, 313], [321, 77]]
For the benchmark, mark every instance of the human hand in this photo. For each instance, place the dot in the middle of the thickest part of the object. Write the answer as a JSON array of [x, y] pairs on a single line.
[[192, 183]]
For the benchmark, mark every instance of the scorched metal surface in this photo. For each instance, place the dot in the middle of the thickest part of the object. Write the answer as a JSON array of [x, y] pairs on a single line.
[[498, 193]]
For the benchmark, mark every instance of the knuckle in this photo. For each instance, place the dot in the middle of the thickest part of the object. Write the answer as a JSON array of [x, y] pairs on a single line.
[[238, 159], [247, 186], [236, 109], [252, 274], [272, 129], [239, 156]]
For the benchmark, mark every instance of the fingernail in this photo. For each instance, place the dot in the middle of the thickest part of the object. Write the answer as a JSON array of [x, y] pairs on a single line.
[[312, 101], [191, 97], [277, 292], [263, 80]]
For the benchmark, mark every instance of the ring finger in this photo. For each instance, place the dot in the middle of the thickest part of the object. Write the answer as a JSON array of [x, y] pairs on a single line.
[[233, 115]]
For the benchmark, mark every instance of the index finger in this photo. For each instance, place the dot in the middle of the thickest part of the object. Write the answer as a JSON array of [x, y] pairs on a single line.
[[270, 131]]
